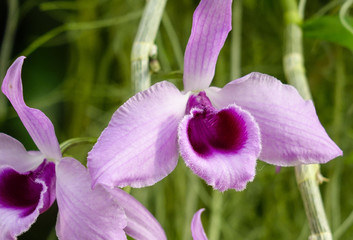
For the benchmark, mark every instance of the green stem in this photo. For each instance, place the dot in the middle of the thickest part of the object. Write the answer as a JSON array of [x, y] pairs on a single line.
[[344, 226], [330, 5], [86, 49], [335, 183], [216, 216], [191, 204], [160, 202], [65, 146], [235, 57], [76, 26], [301, 8], [143, 44], [52, 235], [6, 48], [9, 35], [173, 38], [308, 176], [343, 12]]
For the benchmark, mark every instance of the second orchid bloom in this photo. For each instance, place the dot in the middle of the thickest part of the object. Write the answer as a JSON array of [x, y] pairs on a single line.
[[31, 181]]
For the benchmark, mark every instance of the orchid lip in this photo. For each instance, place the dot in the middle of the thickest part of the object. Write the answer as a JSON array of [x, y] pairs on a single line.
[[19, 191], [22, 192], [210, 130], [221, 146]]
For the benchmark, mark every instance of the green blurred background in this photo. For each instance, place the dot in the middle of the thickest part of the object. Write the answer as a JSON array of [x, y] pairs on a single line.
[[80, 75]]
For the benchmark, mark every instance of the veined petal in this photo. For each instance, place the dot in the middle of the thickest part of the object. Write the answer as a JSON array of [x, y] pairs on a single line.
[[37, 124], [211, 24], [85, 213], [141, 224], [220, 146], [139, 146], [291, 132], [197, 231], [14, 155], [23, 197]]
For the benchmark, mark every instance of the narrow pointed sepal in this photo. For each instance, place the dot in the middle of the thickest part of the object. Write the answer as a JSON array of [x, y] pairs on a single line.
[[141, 224], [197, 230], [211, 24], [85, 213], [36, 122]]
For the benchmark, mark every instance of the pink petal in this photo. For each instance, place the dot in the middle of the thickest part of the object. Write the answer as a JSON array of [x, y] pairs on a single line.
[[210, 27], [140, 222], [139, 147], [85, 213], [14, 155], [23, 197], [197, 231], [37, 124], [221, 146], [291, 132]]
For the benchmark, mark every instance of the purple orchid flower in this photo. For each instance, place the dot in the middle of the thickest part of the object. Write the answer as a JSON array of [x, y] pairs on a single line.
[[31, 181], [197, 231], [220, 132]]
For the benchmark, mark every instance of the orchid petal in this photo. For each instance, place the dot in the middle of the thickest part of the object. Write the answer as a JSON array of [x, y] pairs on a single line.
[[37, 124], [23, 197], [210, 27], [139, 147], [291, 132], [140, 222], [14, 155], [197, 231], [221, 146], [85, 213]]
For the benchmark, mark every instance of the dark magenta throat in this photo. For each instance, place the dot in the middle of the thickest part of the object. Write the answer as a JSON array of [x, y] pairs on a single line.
[[212, 131], [19, 191]]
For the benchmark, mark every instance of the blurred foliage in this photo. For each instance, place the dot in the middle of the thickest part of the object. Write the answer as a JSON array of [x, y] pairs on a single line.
[[329, 28], [78, 72]]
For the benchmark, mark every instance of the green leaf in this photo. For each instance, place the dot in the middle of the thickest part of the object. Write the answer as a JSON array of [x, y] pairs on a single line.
[[52, 235], [329, 28]]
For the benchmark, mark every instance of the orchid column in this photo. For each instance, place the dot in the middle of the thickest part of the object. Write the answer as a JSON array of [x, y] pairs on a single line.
[[308, 176]]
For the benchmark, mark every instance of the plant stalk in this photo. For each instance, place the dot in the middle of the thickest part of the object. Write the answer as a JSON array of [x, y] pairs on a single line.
[[9, 35], [143, 44], [86, 50], [308, 176], [216, 215], [6, 48], [190, 204], [235, 57], [334, 189]]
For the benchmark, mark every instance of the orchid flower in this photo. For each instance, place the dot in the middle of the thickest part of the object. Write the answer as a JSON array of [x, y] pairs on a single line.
[[220, 132], [31, 181], [197, 231]]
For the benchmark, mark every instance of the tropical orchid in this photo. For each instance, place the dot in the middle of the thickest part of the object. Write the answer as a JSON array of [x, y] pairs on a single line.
[[31, 181], [220, 132]]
